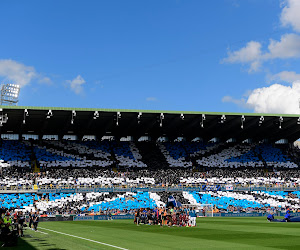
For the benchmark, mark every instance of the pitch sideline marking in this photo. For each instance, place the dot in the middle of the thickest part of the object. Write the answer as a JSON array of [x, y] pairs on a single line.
[[74, 236], [40, 232]]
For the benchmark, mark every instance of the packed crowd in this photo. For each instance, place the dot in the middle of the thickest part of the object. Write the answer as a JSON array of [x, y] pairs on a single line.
[[16, 178], [126, 202], [128, 155], [74, 164]]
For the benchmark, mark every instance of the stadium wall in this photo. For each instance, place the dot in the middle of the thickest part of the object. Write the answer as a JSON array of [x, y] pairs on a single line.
[[85, 218], [131, 217], [150, 189], [250, 214], [102, 217], [166, 189]]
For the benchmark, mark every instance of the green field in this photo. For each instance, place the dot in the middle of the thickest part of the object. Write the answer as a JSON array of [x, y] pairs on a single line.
[[210, 233]]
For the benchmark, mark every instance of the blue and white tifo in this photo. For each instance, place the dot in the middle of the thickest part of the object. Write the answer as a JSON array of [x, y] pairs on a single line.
[[177, 154], [127, 201], [85, 161]]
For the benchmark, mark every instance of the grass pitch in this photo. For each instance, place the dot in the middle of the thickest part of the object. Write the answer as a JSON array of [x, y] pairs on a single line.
[[210, 233]]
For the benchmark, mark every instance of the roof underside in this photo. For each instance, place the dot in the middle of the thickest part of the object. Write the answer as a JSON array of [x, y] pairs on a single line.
[[149, 123]]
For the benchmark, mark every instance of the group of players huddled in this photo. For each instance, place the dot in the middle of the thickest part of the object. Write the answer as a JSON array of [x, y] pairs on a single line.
[[180, 217]]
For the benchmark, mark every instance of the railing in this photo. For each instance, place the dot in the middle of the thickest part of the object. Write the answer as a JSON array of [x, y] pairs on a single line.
[[155, 188], [54, 186], [17, 187]]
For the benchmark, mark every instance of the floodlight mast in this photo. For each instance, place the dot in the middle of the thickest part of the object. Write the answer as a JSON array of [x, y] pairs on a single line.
[[10, 94]]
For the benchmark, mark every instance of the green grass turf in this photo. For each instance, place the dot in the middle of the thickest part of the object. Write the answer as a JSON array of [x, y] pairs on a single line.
[[210, 233]]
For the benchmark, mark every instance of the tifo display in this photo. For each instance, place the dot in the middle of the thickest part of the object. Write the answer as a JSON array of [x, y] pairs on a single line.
[[167, 182]]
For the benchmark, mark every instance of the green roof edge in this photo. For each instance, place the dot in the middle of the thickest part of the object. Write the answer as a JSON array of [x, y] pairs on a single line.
[[146, 111]]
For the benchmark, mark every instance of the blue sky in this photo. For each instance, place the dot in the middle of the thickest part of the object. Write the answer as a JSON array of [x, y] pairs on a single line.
[[219, 55]]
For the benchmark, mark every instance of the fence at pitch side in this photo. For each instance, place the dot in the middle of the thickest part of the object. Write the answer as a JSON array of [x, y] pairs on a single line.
[[203, 188], [84, 218], [102, 217], [252, 214], [129, 216]]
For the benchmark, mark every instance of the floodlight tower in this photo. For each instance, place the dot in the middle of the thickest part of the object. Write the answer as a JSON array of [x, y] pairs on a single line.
[[10, 94]]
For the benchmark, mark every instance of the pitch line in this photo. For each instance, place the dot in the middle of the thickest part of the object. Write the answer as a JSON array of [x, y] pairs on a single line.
[[40, 232], [74, 236]]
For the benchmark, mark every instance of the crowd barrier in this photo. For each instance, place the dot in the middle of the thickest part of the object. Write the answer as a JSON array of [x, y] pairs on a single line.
[[281, 214], [57, 218], [131, 217], [102, 217], [165, 189], [85, 218], [203, 188], [239, 214]]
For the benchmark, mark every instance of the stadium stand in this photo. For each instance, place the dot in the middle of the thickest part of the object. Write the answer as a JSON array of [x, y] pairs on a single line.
[[15, 153], [127, 154], [75, 163]]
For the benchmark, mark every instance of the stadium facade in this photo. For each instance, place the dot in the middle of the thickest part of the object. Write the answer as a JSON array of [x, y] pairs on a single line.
[[152, 123]]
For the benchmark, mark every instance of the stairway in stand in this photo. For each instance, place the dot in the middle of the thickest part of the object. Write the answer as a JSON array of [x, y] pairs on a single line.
[[151, 155], [34, 166], [34, 162]]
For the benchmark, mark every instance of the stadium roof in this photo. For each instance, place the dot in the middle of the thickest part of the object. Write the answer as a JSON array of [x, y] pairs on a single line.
[[272, 126]]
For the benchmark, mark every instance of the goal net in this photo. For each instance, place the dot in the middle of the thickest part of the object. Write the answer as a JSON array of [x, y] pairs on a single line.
[[202, 210]]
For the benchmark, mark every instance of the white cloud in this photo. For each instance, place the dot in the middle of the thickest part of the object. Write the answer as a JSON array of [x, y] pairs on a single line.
[[252, 54], [290, 14], [15, 72], [255, 66], [76, 84], [44, 79], [151, 99], [287, 47], [239, 102], [18, 73], [286, 76], [276, 98]]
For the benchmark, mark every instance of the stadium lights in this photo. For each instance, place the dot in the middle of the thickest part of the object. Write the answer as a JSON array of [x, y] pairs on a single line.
[[49, 114], [223, 119], [73, 116], [139, 117], [280, 121], [182, 117], [25, 115], [10, 94], [118, 117], [96, 115], [243, 119], [161, 117], [202, 120], [3, 118], [261, 119]]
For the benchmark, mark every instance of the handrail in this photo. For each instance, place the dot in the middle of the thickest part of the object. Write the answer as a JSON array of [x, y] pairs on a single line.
[[202, 187]]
